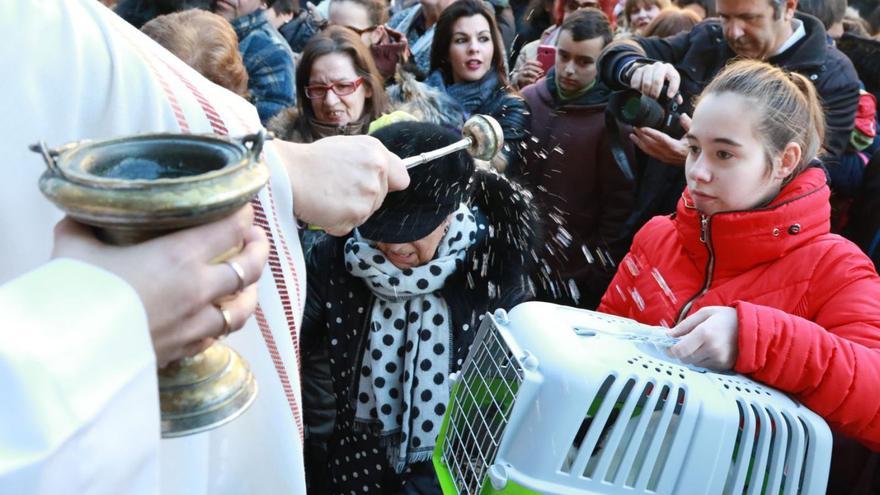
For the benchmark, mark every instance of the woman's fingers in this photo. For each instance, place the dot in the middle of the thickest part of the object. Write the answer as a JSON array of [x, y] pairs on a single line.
[[687, 325], [210, 241], [241, 270], [686, 348], [189, 336]]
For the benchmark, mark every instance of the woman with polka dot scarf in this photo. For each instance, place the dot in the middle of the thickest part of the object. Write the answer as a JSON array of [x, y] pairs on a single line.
[[393, 308]]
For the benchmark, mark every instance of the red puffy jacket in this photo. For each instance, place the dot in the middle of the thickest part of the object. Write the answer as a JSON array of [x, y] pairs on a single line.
[[808, 301]]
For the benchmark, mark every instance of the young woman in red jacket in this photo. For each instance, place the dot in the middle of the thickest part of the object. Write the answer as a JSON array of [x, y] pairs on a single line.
[[746, 272]]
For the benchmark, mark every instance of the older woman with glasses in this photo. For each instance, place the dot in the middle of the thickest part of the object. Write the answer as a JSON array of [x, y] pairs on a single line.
[[342, 93], [342, 87]]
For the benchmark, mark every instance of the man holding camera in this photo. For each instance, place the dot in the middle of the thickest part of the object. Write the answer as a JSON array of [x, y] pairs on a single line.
[[768, 30]]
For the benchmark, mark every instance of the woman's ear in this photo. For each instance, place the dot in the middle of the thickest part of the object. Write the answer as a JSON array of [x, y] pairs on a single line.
[[791, 157]]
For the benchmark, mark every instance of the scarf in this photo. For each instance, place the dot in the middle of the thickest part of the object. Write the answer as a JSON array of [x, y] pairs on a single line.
[[594, 94], [403, 390], [470, 95], [354, 128]]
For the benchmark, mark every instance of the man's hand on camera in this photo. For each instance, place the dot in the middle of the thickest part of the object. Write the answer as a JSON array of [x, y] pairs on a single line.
[[648, 79], [660, 145]]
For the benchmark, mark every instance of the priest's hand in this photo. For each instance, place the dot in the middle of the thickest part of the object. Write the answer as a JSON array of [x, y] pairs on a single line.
[[339, 181], [189, 298]]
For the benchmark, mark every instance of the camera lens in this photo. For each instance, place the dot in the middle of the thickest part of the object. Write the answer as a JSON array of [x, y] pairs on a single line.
[[629, 110]]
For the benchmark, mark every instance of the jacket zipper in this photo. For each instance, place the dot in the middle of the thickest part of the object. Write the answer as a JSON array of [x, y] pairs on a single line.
[[705, 238]]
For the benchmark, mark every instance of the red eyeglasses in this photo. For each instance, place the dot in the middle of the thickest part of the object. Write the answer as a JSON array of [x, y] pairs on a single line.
[[341, 88]]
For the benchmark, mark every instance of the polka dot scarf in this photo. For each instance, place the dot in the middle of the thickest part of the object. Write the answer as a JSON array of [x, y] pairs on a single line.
[[403, 389]]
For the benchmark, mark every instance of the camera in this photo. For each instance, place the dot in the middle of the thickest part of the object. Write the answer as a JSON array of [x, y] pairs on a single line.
[[634, 108]]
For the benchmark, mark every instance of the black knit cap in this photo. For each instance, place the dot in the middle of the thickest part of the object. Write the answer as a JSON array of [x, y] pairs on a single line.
[[435, 190]]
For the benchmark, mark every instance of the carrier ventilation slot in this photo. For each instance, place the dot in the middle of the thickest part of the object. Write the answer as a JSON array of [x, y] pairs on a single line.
[[627, 441], [770, 454]]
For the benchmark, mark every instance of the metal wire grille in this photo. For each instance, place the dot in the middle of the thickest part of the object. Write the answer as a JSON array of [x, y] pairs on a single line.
[[490, 380]]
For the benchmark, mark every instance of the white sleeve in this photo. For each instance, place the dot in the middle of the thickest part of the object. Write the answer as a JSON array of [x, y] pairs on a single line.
[[80, 409]]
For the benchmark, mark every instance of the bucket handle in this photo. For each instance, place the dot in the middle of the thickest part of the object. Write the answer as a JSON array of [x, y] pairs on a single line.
[[49, 155], [256, 141]]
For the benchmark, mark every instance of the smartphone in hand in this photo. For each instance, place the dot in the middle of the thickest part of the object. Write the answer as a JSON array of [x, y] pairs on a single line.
[[547, 57]]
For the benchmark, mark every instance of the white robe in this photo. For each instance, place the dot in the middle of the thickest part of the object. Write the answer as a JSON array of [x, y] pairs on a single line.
[[74, 71], [72, 383]]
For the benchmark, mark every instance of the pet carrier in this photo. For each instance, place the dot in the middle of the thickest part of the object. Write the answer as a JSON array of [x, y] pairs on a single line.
[[557, 400]]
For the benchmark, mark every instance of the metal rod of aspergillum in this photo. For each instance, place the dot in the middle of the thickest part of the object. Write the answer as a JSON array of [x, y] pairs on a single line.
[[483, 139]]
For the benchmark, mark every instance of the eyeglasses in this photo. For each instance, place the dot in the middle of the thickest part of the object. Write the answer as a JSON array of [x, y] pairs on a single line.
[[341, 88], [365, 30], [356, 31]]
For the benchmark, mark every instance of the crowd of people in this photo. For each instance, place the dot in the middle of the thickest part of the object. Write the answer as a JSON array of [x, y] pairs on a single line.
[[747, 224]]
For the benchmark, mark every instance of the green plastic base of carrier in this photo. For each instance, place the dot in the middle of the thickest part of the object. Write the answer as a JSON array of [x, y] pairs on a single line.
[[443, 474], [445, 477]]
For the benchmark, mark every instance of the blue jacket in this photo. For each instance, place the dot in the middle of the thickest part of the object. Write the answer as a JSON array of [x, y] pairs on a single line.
[[410, 22], [269, 64]]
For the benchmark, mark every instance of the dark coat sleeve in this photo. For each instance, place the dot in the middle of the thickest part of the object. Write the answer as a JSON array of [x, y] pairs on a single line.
[[299, 31], [610, 63], [313, 324], [512, 113], [616, 198], [840, 100], [319, 400]]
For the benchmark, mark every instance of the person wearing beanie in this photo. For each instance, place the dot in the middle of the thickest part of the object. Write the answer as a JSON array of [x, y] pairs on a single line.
[[394, 307]]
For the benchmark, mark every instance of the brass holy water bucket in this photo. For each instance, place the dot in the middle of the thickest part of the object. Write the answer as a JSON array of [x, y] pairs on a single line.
[[139, 187]]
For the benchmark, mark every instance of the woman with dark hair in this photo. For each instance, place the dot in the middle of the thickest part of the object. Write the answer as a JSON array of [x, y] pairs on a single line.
[[342, 91], [397, 304], [467, 62]]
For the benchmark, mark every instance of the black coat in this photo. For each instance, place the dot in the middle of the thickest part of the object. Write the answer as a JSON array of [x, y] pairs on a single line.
[[698, 56], [512, 112], [336, 322]]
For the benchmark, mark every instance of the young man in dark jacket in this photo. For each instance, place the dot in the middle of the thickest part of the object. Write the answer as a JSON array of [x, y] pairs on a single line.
[[573, 172], [768, 30]]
